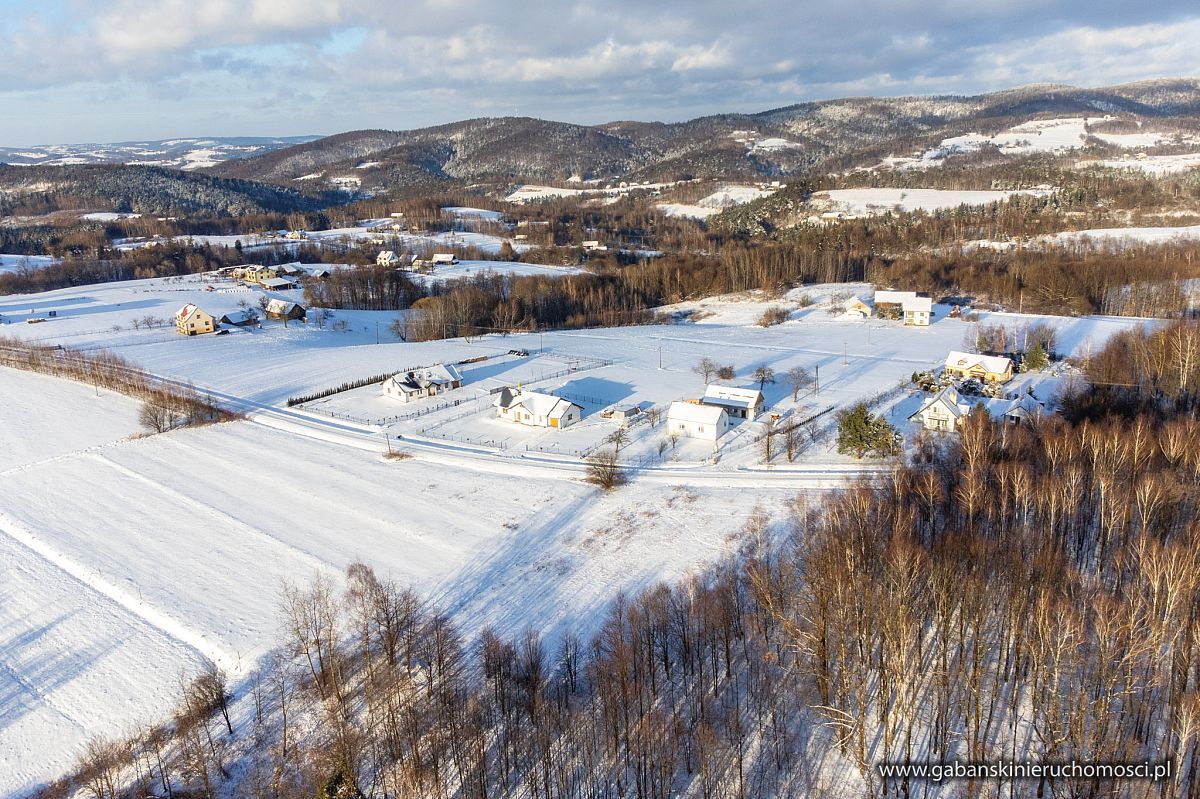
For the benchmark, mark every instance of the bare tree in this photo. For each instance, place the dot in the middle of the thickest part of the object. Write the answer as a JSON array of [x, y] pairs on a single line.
[[798, 378], [706, 368]]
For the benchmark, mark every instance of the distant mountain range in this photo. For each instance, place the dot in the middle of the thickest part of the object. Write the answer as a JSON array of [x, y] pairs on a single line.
[[246, 175], [783, 142], [175, 153]]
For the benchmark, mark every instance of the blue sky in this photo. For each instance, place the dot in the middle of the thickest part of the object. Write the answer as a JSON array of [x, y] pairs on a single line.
[[78, 71]]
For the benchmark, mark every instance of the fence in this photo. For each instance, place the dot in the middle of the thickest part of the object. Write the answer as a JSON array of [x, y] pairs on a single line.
[[328, 392]]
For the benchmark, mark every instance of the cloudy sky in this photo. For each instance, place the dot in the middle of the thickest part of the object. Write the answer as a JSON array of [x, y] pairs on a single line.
[[81, 70]]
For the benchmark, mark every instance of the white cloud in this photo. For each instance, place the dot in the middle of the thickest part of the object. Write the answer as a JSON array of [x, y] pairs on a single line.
[[358, 63]]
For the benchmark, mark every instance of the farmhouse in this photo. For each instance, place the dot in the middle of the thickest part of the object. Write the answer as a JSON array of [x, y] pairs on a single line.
[[256, 274], [693, 420], [739, 403], [444, 259], [943, 412], [191, 320], [904, 305], [387, 258], [284, 309], [291, 270], [988, 368], [538, 410], [427, 381]]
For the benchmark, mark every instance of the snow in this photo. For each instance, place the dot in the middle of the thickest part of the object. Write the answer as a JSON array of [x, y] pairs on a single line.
[[1152, 164], [11, 263], [128, 560], [108, 216], [716, 202], [473, 213], [1107, 237], [869, 202], [534, 193]]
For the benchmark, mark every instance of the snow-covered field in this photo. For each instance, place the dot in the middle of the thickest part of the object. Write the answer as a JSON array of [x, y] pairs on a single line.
[[372, 231], [1153, 164], [1099, 237], [131, 560], [716, 202], [1033, 136], [870, 202], [11, 263]]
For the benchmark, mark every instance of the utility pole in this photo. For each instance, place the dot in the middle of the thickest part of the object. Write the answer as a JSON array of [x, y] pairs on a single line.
[[845, 355], [817, 380], [660, 356]]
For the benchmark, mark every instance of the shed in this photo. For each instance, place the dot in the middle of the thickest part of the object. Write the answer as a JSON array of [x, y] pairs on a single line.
[[693, 420]]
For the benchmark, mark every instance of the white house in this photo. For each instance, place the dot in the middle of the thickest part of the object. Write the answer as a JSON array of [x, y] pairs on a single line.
[[444, 259], [739, 403], [426, 381], [692, 420], [912, 309], [387, 258], [537, 410], [943, 411]]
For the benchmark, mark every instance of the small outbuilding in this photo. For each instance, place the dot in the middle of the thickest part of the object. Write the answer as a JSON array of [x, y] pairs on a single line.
[[245, 317], [444, 259], [739, 403], [285, 309], [693, 420]]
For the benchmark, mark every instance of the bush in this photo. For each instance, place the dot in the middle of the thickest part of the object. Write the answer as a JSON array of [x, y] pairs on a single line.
[[604, 471], [775, 315]]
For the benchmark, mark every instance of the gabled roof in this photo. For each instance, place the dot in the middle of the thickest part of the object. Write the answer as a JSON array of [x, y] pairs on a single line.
[[278, 306], [187, 311], [695, 413], [918, 304], [732, 397], [1024, 406], [239, 317], [894, 297], [276, 283], [421, 378], [948, 397], [996, 364], [546, 405]]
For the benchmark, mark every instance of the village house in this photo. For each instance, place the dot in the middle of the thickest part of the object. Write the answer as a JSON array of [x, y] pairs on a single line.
[[191, 320], [987, 368], [693, 420], [254, 273], [290, 270], [907, 306], [537, 410], [387, 258], [426, 381], [739, 403], [942, 412], [285, 309], [444, 259]]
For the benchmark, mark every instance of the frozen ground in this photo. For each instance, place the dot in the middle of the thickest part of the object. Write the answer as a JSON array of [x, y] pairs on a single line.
[[1099, 237], [103, 606], [1153, 164], [11, 263], [870, 202], [714, 203], [132, 560]]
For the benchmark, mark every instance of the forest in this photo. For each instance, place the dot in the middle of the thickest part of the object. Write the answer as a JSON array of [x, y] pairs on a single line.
[[1016, 592]]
